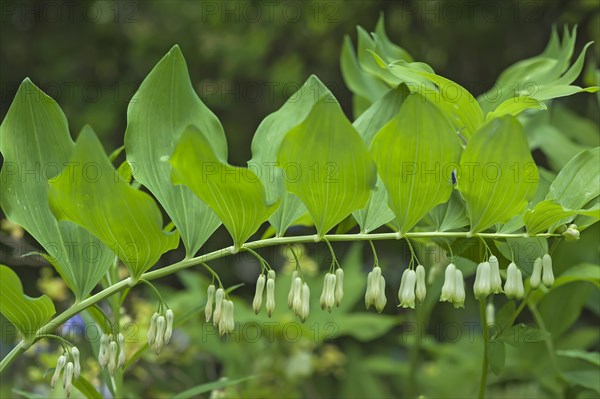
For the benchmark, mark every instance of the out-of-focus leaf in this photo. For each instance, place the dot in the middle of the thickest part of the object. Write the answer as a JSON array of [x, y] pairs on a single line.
[[578, 128], [86, 388], [581, 272], [496, 355], [415, 154], [377, 211], [497, 175], [520, 334], [235, 194], [592, 357], [123, 218], [561, 307], [162, 107], [26, 313], [585, 378], [327, 165], [514, 106], [36, 145], [210, 386], [364, 326]]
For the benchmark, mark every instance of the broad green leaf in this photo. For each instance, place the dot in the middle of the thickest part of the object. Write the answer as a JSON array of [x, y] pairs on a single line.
[[364, 326], [162, 107], [26, 313], [415, 154], [457, 104], [577, 183], [520, 334], [497, 355], [591, 357], [562, 306], [95, 197], [497, 175], [36, 145], [377, 211], [266, 142], [581, 272], [514, 106], [585, 378], [235, 194], [548, 214], [327, 165]]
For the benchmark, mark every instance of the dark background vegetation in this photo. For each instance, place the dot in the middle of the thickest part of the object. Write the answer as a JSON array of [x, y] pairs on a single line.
[[246, 58]]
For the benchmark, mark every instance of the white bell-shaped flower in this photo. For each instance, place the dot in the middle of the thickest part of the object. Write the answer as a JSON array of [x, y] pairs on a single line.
[[407, 297], [547, 273], [210, 297], [270, 305], [483, 284], [536, 274], [496, 280], [449, 282], [60, 364], [258, 294], [458, 294], [339, 286], [421, 289], [513, 288]]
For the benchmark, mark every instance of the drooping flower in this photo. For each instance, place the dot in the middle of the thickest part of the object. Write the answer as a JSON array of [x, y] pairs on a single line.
[[536, 274], [328, 293], [169, 329], [449, 282], [292, 290], [305, 306], [547, 273], [407, 296], [112, 357], [103, 351], [380, 300], [458, 294], [258, 294], [270, 305], [76, 364], [160, 333], [496, 280], [68, 379], [60, 363], [513, 288], [483, 284], [219, 296], [121, 360], [374, 284], [210, 297]]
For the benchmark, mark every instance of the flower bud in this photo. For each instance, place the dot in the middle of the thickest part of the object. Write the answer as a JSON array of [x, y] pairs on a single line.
[[230, 319], [60, 363], [547, 273], [271, 274], [339, 286], [258, 294], [224, 319], [210, 297], [103, 351], [536, 274], [449, 281], [380, 300], [369, 300], [495, 279], [160, 333], [270, 305], [68, 379], [372, 295], [292, 294], [571, 233], [76, 364], [219, 295], [421, 289], [458, 294], [305, 306], [520, 291], [112, 354], [121, 361], [169, 330], [328, 294], [407, 297], [297, 302], [152, 329], [483, 284]]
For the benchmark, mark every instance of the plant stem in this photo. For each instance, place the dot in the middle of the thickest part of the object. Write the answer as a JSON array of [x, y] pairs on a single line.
[[189, 262], [484, 366]]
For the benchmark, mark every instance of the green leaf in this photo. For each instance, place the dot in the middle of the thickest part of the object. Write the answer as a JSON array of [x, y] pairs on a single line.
[[86, 388], [123, 218], [266, 142], [26, 313], [162, 107], [561, 307], [235, 194], [415, 154], [585, 378], [457, 104], [581, 272], [36, 145], [210, 386], [591, 357], [450, 215], [577, 183], [377, 211], [523, 334], [327, 165], [497, 355], [514, 106], [548, 213], [497, 175], [364, 326]]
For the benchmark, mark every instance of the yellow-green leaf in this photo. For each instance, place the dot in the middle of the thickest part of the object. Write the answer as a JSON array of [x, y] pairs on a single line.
[[91, 194], [235, 194], [415, 154], [327, 165], [26, 313], [497, 175]]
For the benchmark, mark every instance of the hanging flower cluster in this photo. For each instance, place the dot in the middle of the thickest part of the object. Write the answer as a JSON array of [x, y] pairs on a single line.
[[72, 370], [111, 353]]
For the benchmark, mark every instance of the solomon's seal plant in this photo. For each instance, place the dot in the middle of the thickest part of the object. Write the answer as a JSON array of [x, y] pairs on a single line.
[[421, 160]]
